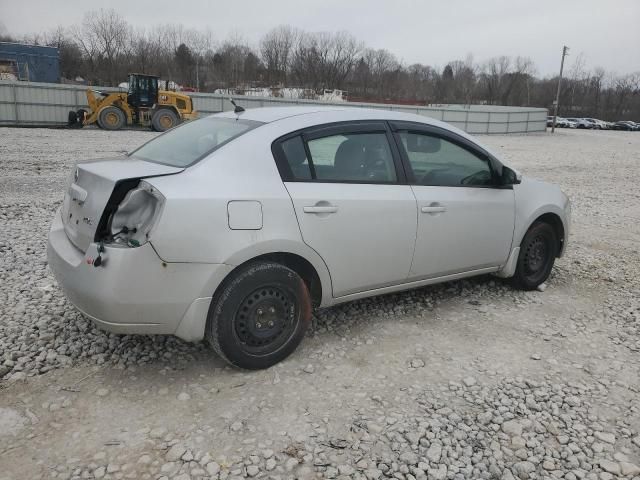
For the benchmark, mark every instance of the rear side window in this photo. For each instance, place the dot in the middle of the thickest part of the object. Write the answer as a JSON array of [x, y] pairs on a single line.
[[296, 157], [187, 144], [353, 157], [346, 157]]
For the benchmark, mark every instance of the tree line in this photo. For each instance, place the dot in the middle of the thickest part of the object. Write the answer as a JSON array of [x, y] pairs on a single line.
[[105, 47]]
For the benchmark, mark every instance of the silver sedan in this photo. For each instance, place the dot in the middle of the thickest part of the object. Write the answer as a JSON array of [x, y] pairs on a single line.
[[233, 227]]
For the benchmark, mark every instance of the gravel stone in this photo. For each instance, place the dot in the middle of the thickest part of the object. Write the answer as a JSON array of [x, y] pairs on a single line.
[[469, 381], [175, 453], [102, 392], [629, 469], [270, 464], [611, 467], [417, 363], [482, 409], [605, 437], [434, 453], [512, 427], [213, 468]]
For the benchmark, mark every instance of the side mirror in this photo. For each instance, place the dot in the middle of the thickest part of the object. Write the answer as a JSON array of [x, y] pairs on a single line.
[[510, 176]]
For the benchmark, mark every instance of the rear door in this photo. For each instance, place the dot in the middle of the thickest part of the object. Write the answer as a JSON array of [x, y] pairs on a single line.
[[352, 202], [465, 218]]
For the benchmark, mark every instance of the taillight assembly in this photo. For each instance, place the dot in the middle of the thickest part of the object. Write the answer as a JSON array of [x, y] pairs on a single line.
[[135, 216]]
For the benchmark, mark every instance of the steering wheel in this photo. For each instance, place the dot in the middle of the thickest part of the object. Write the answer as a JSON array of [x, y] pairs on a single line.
[[478, 178]]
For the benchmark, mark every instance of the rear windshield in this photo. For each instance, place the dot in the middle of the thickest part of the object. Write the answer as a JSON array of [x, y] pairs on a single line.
[[192, 141]]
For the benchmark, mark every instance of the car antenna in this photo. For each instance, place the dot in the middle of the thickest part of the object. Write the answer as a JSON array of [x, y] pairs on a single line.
[[236, 108]]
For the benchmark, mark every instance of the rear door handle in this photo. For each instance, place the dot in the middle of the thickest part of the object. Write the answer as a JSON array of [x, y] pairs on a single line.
[[320, 209], [434, 209]]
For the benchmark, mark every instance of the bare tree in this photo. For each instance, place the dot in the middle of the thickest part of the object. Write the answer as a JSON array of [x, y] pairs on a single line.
[[276, 50], [104, 48], [104, 37]]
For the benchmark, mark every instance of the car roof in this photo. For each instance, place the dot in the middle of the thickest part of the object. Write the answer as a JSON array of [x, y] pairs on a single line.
[[320, 114], [273, 114]]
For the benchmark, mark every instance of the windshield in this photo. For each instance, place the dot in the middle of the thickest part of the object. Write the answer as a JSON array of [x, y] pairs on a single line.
[[192, 141]]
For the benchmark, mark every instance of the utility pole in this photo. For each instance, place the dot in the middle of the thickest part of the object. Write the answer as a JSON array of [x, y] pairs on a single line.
[[565, 51], [197, 73]]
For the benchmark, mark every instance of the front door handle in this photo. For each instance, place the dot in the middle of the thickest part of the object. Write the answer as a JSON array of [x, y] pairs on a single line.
[[434, 208], [320, 209]]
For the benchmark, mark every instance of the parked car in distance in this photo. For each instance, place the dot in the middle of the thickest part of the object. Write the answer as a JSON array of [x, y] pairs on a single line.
[[597, 124], [625, 125], [560, 122], [571, 122], [233, 227], [581, 123]]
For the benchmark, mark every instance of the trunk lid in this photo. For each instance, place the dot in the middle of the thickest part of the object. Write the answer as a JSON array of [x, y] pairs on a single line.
[[91, 187]]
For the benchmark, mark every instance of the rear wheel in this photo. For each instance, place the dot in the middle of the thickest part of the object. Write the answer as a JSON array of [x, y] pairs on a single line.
[[260, 315], [537, 255], [164, 119], [112, 118]]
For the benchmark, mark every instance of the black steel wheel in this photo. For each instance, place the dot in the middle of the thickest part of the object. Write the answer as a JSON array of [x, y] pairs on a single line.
[[259, 315], [265, 319], [538, 252]]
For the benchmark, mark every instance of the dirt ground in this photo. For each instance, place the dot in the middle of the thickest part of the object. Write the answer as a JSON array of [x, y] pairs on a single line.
[[119, 413]]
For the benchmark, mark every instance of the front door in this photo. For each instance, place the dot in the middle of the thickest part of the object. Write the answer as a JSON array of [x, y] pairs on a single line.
[[465, 219], [352, 204]]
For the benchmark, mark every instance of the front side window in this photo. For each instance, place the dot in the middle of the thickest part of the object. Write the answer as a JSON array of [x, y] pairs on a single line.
[[192, 141], [353, 157], [438, 162]]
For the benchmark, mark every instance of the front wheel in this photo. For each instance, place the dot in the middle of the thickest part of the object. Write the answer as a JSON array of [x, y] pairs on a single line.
[[537, 255], [260, 315], [111, 118]]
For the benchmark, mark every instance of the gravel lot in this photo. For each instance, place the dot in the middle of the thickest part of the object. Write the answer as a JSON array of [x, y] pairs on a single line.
[[469, 379]]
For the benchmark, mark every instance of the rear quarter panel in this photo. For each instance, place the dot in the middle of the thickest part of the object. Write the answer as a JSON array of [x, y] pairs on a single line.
[[194, 226]]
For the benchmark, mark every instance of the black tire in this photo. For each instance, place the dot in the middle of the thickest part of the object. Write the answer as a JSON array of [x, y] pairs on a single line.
[[112, 118], [164, 119], [259, 315], [72, 119], [538, 252]]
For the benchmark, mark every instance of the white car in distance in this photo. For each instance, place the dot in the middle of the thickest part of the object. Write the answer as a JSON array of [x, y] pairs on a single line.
[[233, 227]]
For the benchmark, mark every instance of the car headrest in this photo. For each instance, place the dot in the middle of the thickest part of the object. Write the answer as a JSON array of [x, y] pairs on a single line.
[[349, 156]]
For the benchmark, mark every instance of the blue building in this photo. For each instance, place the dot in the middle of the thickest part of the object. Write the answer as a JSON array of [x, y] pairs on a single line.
[[33, 63]]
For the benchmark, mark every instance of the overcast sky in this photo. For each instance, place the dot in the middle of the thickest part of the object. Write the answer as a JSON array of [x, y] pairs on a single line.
[[432, 32]]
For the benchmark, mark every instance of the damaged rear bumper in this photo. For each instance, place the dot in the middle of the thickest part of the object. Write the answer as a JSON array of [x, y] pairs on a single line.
[[134, 291]]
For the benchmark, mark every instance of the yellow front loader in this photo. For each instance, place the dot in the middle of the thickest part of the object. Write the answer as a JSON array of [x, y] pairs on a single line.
[[143, 105]]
